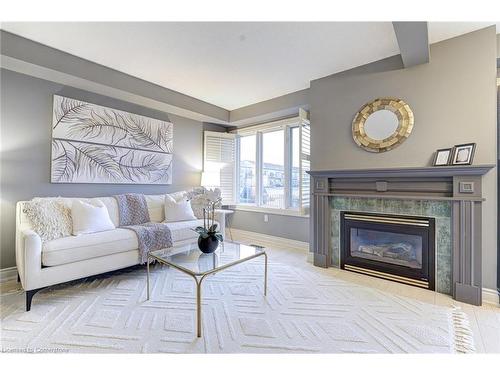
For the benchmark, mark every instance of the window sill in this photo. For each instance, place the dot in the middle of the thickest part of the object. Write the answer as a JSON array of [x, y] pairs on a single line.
[[269, 210]]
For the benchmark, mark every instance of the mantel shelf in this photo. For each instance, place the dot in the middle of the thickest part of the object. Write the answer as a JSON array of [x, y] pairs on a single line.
[[403, 197], [446, 171]]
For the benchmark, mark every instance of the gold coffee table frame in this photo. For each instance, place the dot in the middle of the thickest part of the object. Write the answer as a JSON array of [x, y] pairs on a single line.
[[200, 276]]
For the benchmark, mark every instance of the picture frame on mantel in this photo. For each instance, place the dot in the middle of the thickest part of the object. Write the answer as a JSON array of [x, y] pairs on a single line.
[[442, 157], [463, 154]]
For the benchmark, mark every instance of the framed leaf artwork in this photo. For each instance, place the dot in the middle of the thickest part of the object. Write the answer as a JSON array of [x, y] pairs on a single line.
[[96, 144]]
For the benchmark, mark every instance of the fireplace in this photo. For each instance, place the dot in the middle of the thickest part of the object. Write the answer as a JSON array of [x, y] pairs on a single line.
[[451, 195], [394, 247]]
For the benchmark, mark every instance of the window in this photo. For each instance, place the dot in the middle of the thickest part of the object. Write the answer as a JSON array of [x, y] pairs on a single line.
[[272, 161], [273, 169], [247, 176]]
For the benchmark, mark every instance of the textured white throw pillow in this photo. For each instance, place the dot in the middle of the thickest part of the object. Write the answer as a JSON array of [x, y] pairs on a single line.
[[178, 211], [49, 217], [90, 217]]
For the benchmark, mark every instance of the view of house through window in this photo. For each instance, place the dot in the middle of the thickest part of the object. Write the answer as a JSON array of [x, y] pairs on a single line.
[[273, 169], [247, 168]]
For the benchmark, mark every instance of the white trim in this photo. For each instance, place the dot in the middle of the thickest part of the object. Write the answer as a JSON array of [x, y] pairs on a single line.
[[490, 296], [268, 241], [267, 126], [7, 274], [269, 210], [219, 134]]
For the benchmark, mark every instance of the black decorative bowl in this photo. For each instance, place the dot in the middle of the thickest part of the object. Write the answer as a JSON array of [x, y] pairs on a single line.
[[208, 245]]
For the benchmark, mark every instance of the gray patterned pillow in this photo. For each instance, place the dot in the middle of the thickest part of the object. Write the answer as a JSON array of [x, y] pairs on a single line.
[[50, 218]]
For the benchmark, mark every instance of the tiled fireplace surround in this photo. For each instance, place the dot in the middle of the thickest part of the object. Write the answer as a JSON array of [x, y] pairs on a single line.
[[451, 195]]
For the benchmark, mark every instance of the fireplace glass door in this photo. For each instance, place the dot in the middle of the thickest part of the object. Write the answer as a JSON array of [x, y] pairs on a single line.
[[399, 248], [388, 247]]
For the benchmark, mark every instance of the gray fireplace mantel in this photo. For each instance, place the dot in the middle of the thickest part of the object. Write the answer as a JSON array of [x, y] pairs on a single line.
[[447, 171], [459, 184]]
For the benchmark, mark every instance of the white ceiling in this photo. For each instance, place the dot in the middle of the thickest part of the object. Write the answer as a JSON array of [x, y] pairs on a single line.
[[229, 64]]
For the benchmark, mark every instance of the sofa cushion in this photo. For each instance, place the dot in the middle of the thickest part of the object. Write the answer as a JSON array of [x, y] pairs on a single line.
[[86, 246], [90, 217], [183, 230], [178, 195], [112, 206], [49, 217], [178, 211], [155, 207]]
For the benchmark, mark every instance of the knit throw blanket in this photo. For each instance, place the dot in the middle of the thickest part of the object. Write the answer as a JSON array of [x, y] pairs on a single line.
[[134, 215]]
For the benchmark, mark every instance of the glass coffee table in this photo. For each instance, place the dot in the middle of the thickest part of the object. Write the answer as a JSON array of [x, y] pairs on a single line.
[[190, 260]]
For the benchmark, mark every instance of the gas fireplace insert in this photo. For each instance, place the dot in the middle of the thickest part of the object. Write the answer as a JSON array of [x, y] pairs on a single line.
[[393, 247]]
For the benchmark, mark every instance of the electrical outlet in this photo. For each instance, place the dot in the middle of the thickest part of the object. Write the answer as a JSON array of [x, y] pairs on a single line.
[[266, 218]]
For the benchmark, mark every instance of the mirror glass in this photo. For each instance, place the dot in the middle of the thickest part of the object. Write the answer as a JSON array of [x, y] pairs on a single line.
[[381, 124]]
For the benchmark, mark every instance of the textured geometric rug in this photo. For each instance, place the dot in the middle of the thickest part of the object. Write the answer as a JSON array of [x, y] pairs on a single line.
[[304, 312]]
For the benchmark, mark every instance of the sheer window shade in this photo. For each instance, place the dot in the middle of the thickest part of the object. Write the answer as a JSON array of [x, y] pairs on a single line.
[[219, 156]]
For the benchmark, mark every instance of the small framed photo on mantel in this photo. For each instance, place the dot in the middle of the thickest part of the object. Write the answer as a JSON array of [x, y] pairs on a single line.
[[442, 157], [463, 154]]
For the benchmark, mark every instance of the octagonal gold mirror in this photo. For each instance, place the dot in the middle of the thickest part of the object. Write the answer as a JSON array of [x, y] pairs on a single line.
[[382, 124]]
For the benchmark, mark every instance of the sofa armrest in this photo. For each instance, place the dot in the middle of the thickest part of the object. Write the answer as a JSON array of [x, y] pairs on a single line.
[[29, 258]]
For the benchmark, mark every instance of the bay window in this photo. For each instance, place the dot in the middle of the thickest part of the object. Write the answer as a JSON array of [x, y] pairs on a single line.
[[262, 167], [272, 161]]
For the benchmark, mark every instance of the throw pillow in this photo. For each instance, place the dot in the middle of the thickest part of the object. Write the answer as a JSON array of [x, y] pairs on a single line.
[[50, 218], [200, 198], [90, 217], [178, 211]]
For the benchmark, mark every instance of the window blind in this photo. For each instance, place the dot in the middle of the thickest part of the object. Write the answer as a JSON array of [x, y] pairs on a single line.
[[305, 162], [219, 156]]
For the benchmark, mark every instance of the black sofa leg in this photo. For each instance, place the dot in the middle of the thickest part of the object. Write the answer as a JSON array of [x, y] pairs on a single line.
[[29, 297]]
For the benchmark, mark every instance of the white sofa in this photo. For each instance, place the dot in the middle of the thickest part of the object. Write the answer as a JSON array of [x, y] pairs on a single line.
[[76, 257]]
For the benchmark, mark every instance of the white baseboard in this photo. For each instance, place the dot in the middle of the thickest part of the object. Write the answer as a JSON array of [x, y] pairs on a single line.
[[7, 274], [490, 296], [266, 240]]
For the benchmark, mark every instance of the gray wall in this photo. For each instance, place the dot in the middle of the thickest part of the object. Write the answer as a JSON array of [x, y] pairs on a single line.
[[292, 227], [453, 99], [26, 117]]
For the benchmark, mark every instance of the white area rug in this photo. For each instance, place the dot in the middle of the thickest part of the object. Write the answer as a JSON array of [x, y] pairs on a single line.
[[304, 312]]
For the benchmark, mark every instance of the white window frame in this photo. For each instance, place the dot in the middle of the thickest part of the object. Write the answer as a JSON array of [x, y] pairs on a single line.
[[258, 130]]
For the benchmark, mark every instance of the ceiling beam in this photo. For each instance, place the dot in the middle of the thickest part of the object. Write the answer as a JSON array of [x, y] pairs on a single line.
[[28, 57], [413, 40], [282, 106]]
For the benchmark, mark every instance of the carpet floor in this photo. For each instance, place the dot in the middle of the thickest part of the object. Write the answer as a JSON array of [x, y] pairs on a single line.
[[304, 312]]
